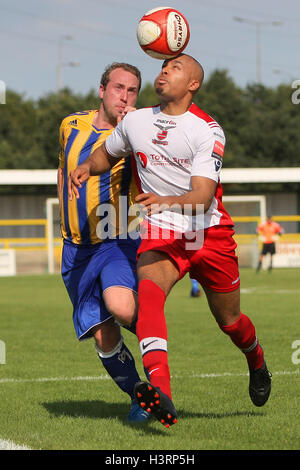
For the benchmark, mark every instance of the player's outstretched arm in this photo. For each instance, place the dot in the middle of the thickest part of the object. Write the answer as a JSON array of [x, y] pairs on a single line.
[[97, 163]]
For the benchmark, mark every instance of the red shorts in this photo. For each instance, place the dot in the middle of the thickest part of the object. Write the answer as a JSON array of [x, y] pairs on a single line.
[[214, 265]]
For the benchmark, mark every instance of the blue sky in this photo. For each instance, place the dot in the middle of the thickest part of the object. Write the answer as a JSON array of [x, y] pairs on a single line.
[[104, 31]]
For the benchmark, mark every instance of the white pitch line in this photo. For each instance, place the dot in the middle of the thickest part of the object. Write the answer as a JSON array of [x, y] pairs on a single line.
[[229, 374], [106, 377], [55, 379], [10, 445], [266, 290]]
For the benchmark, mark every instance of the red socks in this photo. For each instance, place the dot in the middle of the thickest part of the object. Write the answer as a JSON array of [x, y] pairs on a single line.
[[242, 334], [151, 330]]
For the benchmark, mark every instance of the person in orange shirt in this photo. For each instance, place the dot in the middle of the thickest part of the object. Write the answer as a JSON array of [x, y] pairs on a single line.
[[269, 231]]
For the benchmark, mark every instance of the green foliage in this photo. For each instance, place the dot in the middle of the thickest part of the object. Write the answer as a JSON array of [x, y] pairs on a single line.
[[225, 102], [52, 109], [18, 121], [147, 97], [29, 130], [261, 124]]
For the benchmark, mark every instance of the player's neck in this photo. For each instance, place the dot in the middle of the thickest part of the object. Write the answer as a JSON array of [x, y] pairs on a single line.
[[175, 108], [101, 121]]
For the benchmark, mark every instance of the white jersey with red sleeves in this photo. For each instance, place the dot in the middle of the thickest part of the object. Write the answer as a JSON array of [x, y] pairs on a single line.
[[168, 151]]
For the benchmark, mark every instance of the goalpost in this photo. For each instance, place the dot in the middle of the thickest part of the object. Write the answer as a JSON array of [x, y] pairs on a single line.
[[259, 198], [50, 203], [247, 212]]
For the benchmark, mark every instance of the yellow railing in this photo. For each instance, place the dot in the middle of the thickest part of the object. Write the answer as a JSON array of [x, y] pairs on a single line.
[[21, 243], [246, 219], [248, 238], [276, 218], [27, 243], [8, 222], [41, 243]]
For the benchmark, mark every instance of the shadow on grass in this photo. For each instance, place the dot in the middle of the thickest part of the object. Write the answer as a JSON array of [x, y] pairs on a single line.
[[99, 409], [96, 409]]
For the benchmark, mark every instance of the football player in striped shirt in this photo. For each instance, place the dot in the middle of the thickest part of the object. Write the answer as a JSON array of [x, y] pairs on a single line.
[[99, 259]]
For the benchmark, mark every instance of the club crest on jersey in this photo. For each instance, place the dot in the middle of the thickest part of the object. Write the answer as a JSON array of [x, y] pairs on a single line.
[[162, 134]]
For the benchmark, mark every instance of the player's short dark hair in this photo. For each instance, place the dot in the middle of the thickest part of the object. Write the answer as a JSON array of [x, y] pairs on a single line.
[[120, 65]]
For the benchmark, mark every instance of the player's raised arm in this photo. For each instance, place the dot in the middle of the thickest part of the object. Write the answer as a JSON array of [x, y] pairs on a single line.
[[97, 163]]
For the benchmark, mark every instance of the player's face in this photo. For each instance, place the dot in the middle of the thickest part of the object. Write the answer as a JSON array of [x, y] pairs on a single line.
[[121, 91], [174, 80]]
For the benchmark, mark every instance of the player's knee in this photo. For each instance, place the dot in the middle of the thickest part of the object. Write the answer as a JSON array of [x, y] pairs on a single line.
[[124, 314], [227, 317], [122, 305]]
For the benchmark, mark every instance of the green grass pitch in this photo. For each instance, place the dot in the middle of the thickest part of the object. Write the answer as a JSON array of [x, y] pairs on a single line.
[[55, 394]]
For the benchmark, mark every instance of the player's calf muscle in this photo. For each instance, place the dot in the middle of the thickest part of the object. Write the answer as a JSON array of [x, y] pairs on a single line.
[[225, 306], [107, 335]]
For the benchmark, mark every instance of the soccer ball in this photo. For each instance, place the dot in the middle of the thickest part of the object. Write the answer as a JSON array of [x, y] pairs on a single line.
[[163, 33]]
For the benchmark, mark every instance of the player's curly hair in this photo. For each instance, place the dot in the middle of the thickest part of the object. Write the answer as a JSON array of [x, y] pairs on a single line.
[[120, 65]]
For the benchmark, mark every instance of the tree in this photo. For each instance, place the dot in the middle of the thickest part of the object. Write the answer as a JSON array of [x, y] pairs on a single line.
[[261, 124], [18, 147], [147, 97], [222, 99], [272, 135], [51, 110]]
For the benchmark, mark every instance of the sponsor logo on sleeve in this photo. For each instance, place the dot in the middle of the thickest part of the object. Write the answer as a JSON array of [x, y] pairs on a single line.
[[217, 153], [218, 150]]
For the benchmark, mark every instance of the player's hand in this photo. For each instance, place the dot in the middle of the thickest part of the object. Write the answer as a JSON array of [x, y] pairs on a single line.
[[152, 204], [75, 180], [126, 110]]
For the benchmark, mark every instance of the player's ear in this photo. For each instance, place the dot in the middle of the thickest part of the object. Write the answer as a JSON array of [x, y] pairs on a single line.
[[101, 91], [194, 85]]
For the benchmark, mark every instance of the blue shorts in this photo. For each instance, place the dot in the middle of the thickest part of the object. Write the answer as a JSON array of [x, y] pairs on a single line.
[[87, 270]]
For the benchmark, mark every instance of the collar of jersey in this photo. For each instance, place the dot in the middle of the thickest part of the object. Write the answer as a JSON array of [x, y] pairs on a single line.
[[174, 116]]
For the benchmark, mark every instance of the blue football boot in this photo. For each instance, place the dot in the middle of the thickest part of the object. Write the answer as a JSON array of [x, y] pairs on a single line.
[[137, 414]]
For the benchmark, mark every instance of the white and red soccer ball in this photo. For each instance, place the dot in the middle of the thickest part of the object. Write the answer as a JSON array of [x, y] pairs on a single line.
[[163, 33]]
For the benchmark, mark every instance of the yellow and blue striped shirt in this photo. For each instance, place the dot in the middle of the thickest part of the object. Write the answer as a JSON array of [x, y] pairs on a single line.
[[79, 219]]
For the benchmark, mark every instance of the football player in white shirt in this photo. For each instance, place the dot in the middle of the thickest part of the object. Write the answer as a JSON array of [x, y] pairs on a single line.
[[177, 150]]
